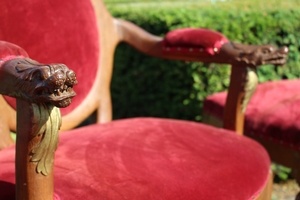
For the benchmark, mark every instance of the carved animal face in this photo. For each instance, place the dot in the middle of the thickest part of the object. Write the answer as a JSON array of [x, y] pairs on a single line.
[[38, 83]]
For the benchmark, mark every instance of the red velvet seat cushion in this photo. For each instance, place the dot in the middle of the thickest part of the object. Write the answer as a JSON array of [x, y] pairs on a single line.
[[273, 112], [192, 40], [55, 31], [153, 159]]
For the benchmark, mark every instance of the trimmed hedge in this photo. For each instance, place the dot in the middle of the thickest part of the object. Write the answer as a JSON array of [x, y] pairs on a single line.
[[147, 86]]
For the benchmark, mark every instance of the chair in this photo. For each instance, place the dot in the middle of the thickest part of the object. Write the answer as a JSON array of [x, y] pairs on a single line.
[[271, 119], [139, 158]]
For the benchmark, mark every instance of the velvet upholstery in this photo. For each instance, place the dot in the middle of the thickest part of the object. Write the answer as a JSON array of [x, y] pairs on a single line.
[[142, 158], [147, 158], [10, 51], [273, 112], [51, 31], [191, 41]]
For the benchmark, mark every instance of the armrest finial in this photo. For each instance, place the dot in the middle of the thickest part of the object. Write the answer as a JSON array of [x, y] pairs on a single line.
[[39, 89], [37, 83]]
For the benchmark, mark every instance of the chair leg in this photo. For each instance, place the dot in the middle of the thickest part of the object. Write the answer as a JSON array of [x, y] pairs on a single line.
[[296, 168], [296, 173], [267, 191], [298, 196]]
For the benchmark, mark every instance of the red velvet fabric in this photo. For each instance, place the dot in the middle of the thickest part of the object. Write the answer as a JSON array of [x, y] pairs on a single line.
[[273, 112], [153, 159], [191, 40], [10, 51], [55, 31]]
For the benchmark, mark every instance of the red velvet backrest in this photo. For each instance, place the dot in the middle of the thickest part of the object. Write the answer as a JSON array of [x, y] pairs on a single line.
[[62, 31]]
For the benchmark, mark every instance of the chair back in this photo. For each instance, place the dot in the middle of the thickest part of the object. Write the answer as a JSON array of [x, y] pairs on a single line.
[[69, 32]]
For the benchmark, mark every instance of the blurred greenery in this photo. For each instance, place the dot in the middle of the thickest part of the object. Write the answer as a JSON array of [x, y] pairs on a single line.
[[229, 4], [281, 172], [147, 86]]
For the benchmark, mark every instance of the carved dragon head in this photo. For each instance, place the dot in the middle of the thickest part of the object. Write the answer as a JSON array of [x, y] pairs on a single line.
[[38, 83]]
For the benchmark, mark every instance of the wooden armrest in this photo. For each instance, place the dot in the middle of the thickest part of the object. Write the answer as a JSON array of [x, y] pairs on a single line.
[[213, 47], [39, 90], [216, 48]]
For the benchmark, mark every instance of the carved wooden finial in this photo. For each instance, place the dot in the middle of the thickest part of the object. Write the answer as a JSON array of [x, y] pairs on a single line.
[[39, 89]]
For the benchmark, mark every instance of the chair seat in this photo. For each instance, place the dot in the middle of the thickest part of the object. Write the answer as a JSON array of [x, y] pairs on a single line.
[[148, 158], [272, 114]]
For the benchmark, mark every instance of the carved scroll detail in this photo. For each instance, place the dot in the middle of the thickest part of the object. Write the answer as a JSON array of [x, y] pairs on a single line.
[[45, 136], [250, 86]]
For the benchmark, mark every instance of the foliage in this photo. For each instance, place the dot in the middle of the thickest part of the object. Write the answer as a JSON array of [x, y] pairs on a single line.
[[281, 172], [147, 86]]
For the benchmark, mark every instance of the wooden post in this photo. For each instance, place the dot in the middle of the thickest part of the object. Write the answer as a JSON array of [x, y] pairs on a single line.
[[243, 82], [37, 139]]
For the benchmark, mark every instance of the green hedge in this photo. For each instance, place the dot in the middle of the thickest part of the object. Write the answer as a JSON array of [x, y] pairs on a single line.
[[147, 86]]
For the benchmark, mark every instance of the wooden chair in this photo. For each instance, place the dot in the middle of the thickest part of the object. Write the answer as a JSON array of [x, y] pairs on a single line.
[[140, 158], [271, 119]]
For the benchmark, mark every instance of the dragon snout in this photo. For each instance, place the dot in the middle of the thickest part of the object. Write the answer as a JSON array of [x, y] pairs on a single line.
[[58, 87], [39, 83]]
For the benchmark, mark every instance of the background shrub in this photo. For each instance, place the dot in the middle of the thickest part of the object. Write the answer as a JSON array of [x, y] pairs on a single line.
[[147, 86]]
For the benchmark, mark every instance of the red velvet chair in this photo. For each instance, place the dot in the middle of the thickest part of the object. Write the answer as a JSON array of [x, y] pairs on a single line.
[[140, 158], [271, 118]]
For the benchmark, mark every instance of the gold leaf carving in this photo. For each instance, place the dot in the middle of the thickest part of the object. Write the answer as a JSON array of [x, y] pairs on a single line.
[[250, 86], [45, 131]]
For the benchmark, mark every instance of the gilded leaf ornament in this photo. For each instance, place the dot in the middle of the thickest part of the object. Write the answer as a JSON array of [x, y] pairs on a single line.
[[45, 136], [250, 86]]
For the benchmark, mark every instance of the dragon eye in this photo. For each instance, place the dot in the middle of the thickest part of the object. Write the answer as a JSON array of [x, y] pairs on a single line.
[[36, 75]]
